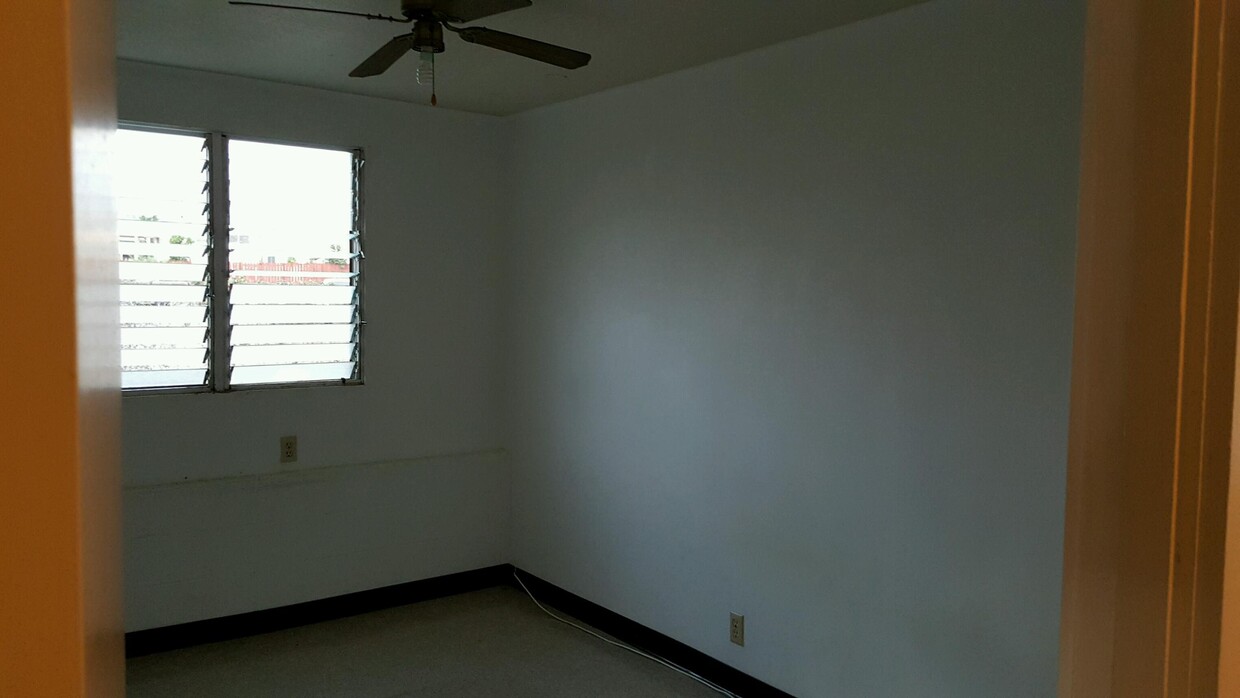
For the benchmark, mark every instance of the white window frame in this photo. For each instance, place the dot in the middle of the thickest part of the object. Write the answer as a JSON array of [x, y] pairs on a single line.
[[219, 327]]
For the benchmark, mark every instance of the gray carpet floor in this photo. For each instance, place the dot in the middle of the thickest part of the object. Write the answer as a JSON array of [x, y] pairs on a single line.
[[487, 643]]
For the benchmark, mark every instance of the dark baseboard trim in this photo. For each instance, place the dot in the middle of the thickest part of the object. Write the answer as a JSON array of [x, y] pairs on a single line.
[[648, 640], [144, 642]]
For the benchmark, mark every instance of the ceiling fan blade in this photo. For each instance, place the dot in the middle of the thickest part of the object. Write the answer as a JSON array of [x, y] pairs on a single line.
[[471, 10], [367, 15], [530, 48], [383, 59]]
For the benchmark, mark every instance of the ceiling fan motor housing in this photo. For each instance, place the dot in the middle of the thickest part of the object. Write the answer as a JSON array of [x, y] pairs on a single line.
[[427, 36]]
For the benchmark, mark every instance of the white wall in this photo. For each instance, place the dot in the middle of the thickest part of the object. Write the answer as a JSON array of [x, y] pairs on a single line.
[[397, 480], [789, 336]]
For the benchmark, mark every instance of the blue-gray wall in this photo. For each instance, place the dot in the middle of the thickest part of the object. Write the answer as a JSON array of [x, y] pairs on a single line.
[[789, 335]]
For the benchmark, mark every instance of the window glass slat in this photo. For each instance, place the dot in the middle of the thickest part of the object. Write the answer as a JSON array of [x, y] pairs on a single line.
[[162, 253], [285, 276], [161, 359], [163, 379], [258, 335], [163, 316], [162, 293], [262, 294], [291, 314], [253, 375], [163, 338], [291, 354], [155, 272]]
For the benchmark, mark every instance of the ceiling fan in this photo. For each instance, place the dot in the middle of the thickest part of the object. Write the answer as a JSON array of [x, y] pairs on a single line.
[[431, 17]]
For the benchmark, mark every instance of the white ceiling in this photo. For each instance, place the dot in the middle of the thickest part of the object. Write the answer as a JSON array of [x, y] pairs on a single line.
[[630, 40]]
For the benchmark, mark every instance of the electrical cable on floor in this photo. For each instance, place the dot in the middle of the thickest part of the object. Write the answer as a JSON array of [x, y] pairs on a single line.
[[622, 645]]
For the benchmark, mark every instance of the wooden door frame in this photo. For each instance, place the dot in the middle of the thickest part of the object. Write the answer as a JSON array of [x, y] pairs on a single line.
[[61, 630], [1154, 357]]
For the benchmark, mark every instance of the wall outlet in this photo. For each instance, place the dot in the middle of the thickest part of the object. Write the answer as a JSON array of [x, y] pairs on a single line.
[[288, 449], [736, 629]]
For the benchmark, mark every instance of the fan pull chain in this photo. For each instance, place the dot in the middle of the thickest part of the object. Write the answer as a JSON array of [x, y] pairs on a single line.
[[426, 74]]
